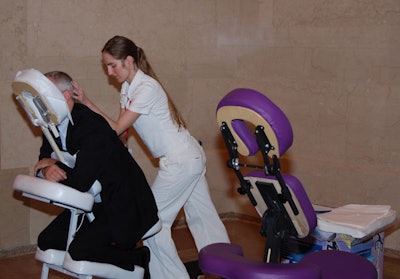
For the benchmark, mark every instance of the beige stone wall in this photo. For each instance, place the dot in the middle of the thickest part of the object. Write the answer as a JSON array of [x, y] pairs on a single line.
[[332, 66]]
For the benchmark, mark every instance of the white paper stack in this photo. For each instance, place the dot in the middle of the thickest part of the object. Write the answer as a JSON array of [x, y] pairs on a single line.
[[357, 220]]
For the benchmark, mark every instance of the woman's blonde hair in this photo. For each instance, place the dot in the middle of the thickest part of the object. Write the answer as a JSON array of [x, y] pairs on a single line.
[[120, 48]]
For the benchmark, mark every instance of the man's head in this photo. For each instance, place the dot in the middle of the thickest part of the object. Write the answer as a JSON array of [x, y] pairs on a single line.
[[63, 82]]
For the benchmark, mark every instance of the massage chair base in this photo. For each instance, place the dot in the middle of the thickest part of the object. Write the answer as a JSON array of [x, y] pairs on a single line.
[[102, 270], [62, 262]]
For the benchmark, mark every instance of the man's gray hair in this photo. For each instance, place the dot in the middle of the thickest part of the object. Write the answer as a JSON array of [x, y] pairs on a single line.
[[61, 79]]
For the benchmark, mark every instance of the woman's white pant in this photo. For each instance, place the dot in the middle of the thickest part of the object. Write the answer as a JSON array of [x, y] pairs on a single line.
[[181, 183]]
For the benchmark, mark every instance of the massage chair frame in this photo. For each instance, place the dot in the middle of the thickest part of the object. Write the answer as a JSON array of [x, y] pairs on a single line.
[[277, 225], [41, 113]]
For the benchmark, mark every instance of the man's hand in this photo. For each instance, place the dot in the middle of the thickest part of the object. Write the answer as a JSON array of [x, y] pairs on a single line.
[[54, 173], [50, 170], [46, 162]]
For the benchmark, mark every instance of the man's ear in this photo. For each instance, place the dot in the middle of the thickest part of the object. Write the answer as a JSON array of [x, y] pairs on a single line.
[[67, 94]]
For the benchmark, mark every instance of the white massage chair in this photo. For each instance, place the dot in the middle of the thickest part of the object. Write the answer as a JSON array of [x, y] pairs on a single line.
[[46, 107]]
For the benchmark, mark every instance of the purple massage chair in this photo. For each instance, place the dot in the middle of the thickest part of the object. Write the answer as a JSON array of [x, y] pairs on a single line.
[[250, 124]]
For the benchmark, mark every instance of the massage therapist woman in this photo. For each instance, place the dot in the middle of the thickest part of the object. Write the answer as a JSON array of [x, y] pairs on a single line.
[[180, 181]]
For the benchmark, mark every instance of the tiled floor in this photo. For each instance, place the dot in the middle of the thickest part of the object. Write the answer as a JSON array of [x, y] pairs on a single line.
[[243, 233]]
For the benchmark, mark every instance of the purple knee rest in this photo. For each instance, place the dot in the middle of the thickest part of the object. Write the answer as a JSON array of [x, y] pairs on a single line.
[[227, 261]]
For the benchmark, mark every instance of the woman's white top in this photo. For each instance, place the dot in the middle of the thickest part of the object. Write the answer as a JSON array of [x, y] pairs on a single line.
[[144, 95]]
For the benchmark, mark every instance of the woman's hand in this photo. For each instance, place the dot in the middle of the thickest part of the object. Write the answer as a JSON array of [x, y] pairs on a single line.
[[79, 93]]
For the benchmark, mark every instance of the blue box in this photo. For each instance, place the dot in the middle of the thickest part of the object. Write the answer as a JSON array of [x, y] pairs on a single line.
[[370, 247]]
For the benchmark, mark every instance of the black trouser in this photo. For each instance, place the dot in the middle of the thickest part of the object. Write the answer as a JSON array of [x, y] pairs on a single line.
[[93, 241]]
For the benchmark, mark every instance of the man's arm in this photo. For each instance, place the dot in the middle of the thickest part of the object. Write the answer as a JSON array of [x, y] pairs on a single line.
[[91, 139], [45, 162], [54, 173], [46, 166]]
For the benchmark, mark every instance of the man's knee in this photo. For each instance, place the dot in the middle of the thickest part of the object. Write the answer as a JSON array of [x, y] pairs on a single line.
[[42, 242], [46, 241], [77, 251]]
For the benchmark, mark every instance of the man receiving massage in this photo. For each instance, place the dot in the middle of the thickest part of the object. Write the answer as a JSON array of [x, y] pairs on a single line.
[[127, 209]]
